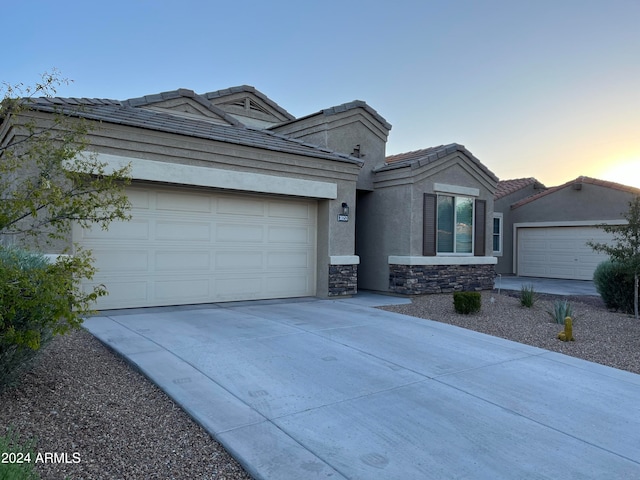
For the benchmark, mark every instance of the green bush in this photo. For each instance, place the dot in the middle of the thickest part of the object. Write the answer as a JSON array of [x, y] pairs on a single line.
[[38, 300], [13, 469], [527, 296], [561, 310], [467, 302], [614, 283]]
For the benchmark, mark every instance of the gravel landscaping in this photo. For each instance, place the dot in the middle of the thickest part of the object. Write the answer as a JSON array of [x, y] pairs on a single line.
[[601, 336], [81, 398]]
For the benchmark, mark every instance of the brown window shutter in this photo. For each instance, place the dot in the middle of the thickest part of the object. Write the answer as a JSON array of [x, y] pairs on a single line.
[[480, 226], [429, 224]]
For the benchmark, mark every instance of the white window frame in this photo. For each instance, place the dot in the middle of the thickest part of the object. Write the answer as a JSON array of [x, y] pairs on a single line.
[[497, 216]]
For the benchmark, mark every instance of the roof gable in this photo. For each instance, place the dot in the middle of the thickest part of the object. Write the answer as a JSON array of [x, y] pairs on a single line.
[[184, 103], [426, 162], [249, 106], [419, 158]]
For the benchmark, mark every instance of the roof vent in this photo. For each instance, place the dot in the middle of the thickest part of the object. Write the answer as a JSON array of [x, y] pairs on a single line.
[[577, 186]]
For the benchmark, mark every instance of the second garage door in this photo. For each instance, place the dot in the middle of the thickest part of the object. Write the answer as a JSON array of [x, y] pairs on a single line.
[[189, 246], [559, 252]]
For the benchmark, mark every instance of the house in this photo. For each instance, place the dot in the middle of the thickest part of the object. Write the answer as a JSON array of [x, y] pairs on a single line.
[[235, 199], [543, 232]]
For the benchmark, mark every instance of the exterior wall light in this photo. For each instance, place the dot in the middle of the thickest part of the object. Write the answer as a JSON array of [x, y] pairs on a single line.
[[344, 215]]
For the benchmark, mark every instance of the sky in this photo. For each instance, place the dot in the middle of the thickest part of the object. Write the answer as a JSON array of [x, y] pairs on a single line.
[[533, 88]]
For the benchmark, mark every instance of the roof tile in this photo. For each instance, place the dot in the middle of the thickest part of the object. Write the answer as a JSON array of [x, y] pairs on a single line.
[[507, 187], [429, 155]]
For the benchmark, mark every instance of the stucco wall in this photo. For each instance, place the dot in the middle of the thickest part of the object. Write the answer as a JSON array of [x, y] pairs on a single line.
[[591, 202]]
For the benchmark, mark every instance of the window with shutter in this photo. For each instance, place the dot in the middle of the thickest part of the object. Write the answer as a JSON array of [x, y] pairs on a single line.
[[453, 224]]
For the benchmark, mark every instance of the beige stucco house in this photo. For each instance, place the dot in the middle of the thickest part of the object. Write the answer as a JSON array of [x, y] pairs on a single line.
[[543, 232], [235, 199]]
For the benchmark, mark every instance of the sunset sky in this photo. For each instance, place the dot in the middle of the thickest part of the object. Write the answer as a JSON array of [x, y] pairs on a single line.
[[542, 88]]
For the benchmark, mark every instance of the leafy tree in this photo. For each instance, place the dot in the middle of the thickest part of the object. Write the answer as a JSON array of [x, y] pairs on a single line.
[[48, 181], [625, 248]]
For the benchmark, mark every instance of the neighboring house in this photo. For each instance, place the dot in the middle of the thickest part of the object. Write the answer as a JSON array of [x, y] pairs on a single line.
[[235, 199], [544, 231]]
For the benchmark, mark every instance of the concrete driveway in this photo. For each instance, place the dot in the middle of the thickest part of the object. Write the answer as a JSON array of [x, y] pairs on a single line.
[[314, 388]]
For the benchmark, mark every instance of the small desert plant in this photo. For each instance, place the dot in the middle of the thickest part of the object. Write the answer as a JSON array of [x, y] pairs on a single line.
[[19, 459], [467, 302], [566, 335], [561, 310], [527, 295]]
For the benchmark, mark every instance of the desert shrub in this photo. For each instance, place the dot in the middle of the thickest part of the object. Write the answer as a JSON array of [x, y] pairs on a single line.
[[13, 469], [527, 296], [24, 314], [38, 299], [467, 302], [614, 282], [561, 310]]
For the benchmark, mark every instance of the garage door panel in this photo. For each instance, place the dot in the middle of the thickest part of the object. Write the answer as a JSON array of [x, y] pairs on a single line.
[[237, 232], [288, 210], [245, 206], [288, 260], [184, 247], [183, 231], [239, 287], [136, 229], [289, 234], [181, 289], [121, 292], [139, 199], [122, 261], [239, 260], [174, 261], [278, 286], [183, 202]]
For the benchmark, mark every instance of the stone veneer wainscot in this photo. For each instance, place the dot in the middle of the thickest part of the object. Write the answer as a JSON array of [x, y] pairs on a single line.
[[420, 275]]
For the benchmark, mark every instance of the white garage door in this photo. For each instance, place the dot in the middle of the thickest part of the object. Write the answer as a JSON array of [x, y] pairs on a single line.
[[190, 246], [559, 252]]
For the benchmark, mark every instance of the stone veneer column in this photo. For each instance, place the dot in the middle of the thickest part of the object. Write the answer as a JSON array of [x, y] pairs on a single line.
[[343, 275]]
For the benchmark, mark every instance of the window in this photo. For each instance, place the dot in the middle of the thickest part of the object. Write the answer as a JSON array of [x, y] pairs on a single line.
[[455, 224], [497, 234]]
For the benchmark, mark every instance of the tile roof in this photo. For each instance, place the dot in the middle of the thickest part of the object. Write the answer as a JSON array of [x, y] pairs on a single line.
[[580, 179], [133, 113], [430, 155], [343, 108], [507, 187]]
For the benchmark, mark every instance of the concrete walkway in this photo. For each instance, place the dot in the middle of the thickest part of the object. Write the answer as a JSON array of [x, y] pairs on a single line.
[[556, 286], [314, 389]]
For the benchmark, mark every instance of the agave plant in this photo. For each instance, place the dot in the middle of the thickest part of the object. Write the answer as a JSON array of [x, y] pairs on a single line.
[[561, 310]]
